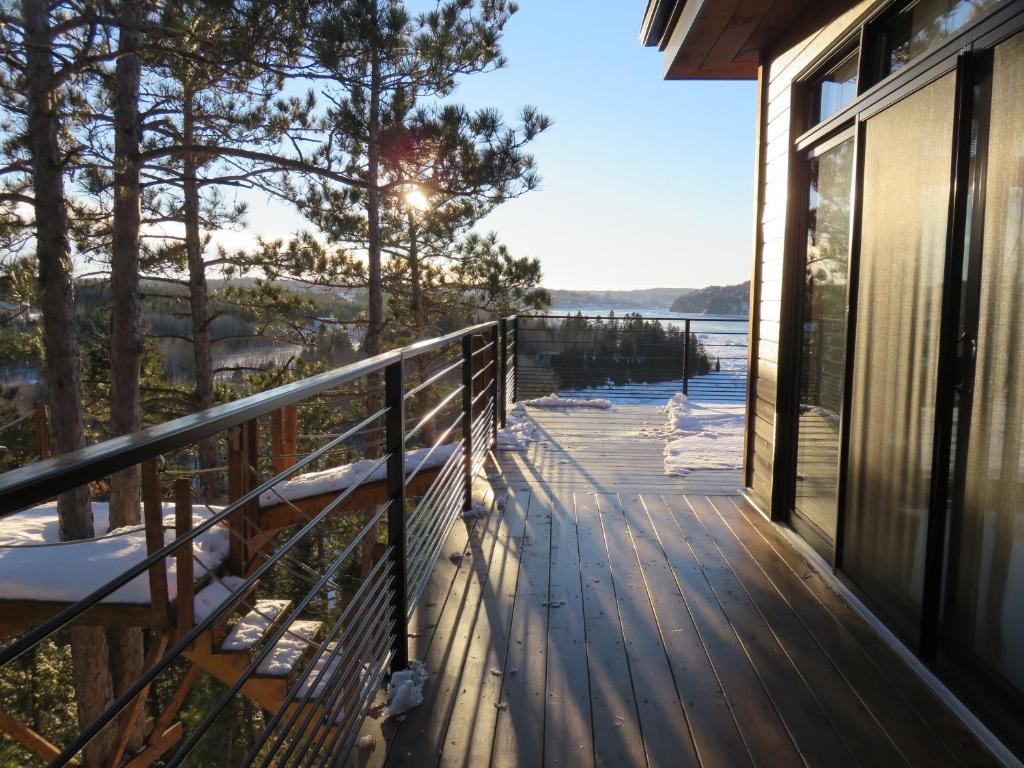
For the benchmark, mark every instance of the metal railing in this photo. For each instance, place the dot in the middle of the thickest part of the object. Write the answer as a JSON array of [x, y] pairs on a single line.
[[630, 358], [336, 496]]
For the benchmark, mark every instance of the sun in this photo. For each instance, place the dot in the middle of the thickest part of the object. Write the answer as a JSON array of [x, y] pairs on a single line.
[[415, 198]]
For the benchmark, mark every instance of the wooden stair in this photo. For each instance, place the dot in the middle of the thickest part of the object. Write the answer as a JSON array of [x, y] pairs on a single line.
[[227, 654]]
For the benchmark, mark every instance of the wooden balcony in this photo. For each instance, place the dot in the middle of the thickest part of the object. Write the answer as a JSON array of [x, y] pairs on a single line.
[[606, 614]]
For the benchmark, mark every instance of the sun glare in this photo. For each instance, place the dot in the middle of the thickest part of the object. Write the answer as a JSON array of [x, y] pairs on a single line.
[[415, 198]]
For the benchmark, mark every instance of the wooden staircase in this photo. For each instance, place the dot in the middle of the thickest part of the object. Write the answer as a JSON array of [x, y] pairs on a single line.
[[226, 653]]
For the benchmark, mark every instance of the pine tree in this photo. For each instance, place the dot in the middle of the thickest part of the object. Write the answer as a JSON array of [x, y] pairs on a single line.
[[384, 66]]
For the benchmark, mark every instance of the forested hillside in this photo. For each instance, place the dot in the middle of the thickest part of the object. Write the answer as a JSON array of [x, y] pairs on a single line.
[[716, 300]]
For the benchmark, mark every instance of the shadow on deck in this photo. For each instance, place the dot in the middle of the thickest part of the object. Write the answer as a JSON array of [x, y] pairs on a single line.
[[606, 614]]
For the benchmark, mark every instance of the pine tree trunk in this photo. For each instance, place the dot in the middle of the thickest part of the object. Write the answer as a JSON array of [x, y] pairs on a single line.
[[199, 296], [91, 671], [418, 315], [375, 324], [127, 653], [126, 312]]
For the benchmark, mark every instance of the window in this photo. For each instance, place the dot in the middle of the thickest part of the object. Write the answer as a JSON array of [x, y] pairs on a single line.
[[922, 25], [835, 89]]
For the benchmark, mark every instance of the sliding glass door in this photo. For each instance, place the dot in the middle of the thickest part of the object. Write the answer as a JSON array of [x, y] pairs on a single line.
[[823, 340], [906, 183], [983, 622]]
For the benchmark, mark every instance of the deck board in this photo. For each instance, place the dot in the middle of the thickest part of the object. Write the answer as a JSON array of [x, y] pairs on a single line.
[[609, 615]]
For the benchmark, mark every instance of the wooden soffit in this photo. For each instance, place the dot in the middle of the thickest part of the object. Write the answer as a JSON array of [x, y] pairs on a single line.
[[723, 39]]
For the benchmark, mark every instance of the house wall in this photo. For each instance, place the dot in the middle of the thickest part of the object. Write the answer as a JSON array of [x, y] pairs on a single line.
[[777, 130]]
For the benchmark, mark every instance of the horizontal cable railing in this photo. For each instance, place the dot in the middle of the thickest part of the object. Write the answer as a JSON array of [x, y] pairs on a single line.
[[629, 358], [282, 543]]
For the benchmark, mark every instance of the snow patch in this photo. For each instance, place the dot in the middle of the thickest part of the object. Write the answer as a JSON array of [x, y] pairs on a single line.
[[338, 478], [36, 565], [519, 431], [215, 594], [251, 628], [289, 649], [702, 436], [479, 509], [557, 401], [405, 689]]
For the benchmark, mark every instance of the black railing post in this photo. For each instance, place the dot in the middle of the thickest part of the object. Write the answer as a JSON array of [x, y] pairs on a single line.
[[515, 359], [495, 384], [686, 359], [394, 437], [467, 416], [502, 373]]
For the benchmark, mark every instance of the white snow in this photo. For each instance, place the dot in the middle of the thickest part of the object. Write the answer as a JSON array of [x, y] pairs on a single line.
[[557, 401], [338, 478], [322, 673], [520, 430], [290, 648], [251, 628], [36, 565], [702, 436], [405, 689], [214, 594]]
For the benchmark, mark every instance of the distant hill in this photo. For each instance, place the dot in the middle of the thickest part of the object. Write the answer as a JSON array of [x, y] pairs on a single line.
[[715, 300], [647, 298]]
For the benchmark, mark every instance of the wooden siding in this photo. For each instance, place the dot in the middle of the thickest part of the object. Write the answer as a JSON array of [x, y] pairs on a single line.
[[773, 183]]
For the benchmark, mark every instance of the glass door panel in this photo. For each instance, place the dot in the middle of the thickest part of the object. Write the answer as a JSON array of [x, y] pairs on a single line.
[[907, 162], [984, 621], [823, 338]]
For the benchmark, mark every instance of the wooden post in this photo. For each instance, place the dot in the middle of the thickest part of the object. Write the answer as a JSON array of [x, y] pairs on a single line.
[[42, 419], [183, 556], [251, 451], [236, 485], [290, 434], [277, 441], [152, 506]]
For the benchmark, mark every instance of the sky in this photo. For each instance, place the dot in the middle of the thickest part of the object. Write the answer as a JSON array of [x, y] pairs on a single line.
[[646, 183]]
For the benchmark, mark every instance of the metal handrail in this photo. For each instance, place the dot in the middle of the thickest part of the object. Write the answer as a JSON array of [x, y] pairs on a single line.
[[33, 483], [449, 491]]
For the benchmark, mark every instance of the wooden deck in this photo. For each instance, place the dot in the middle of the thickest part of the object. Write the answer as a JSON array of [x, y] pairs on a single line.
[[604, 614]]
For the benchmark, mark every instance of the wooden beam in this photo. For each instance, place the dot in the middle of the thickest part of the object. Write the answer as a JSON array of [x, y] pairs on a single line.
[[277, 441], [157, 747], [29, 739], [177, 699], [131, 716]]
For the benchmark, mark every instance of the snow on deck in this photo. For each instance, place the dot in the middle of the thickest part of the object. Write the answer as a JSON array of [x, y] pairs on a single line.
[[36, 565], [339, 478], [702, 436]]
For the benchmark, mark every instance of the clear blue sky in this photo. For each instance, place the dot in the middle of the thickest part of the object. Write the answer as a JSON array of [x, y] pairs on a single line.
[[646, 183]]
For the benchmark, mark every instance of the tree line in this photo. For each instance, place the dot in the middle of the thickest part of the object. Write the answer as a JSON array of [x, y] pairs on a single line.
[[585, 352], [128, 128]]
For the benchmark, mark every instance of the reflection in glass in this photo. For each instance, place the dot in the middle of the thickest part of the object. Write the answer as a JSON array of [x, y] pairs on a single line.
[[907, 157], [987, 618], [823, 342], [924, 24], [835, 89]]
